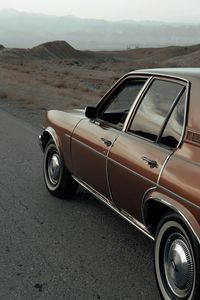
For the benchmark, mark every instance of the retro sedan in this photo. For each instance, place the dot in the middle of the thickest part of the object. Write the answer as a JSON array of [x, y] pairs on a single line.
[[138, 151]]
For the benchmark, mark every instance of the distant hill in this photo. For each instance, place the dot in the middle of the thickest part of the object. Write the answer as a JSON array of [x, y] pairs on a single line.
[[55, 50], [186, 56], [165, 56], [172, 56], [1, 47], [26, 30]]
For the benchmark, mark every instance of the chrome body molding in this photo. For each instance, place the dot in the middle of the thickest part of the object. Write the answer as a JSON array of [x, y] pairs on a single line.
[[136, 222], [41, 143], [53, 134], [187, 223], [131, 171], [178, 196], [111, 205], [163, 166], [144, 202], [89, 147]]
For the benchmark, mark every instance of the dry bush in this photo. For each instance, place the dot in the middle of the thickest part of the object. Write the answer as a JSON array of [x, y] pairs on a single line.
[[66, 72], [84, 90], [26, 71], [74, 103], [45, 81], [3, 95], [60, 84], [14, 68]]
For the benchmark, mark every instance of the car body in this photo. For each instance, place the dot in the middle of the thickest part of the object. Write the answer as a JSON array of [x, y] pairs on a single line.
[[138, 151]]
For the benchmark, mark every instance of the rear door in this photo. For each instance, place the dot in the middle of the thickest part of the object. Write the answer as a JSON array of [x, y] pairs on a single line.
[[139, 153]]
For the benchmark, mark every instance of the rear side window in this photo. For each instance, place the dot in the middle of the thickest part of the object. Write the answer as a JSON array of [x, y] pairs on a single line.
[[173, 130], [156, 107]]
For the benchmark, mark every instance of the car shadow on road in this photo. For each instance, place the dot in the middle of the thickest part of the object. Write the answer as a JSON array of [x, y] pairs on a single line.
[[117, 257]]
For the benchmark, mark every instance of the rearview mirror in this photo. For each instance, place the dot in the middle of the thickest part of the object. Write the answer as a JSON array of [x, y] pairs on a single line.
[[91, 112]]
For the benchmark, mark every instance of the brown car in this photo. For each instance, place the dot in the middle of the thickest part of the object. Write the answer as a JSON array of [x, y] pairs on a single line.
[[138, 151]]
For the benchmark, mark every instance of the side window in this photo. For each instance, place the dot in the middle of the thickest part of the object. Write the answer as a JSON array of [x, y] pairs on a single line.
[[118, 106], [174, 128], [154, 109], [125, 97]]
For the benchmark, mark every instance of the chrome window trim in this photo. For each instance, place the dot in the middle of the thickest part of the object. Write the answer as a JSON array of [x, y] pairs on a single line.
[[105, 98], [163, 77], [160, 75], [185, 113], [170, 112], [127, 77], [135, 103]]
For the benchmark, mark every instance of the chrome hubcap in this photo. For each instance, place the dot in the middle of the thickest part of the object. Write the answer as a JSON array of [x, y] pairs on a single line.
[[178, 265], [54, 168]]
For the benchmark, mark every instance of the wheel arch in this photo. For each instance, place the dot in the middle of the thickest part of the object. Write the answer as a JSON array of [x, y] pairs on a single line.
[[49, 133], [156, 206]]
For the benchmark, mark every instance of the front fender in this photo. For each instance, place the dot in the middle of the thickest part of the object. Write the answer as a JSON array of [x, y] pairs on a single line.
[[48, 133]]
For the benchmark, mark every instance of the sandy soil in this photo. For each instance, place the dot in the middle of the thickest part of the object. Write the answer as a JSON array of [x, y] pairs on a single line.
[[56, 76], [35, 87]]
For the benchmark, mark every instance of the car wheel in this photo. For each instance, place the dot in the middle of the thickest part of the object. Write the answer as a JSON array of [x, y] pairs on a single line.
[[177, 260], [57, 178]]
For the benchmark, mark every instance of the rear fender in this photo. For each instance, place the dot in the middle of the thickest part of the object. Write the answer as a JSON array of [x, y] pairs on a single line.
[[168, 203]]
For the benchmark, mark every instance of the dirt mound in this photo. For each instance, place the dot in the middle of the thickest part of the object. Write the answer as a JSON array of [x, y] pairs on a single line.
[[55, 50], [192, 59]]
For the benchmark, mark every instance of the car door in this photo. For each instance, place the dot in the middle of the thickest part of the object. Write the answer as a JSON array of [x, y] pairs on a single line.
[[139, 153], [93, 138], [90, 145]]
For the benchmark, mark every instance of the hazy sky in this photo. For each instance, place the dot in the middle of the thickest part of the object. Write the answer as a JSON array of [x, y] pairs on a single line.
[[164, 10]]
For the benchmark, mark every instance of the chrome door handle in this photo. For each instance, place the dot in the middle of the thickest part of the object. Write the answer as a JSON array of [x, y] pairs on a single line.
[[152, 163], [106, 142]]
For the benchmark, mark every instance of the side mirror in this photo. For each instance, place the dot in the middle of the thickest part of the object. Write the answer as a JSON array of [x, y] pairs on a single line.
[[91, 112]]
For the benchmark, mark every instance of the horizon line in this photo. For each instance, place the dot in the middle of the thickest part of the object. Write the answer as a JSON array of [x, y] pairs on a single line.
[[101, 19]]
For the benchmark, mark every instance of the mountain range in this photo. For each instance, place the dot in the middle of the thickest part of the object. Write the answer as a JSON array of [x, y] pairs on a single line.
[[26, 30]]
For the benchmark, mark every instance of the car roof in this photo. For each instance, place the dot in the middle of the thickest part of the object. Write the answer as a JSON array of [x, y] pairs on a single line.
[[185, 73]]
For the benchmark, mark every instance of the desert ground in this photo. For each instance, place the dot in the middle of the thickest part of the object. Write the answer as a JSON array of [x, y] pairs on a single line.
[[54, 75], [65, 249]]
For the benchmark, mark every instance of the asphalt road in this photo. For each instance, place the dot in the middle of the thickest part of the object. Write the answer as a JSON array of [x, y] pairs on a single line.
[[55, 249]]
